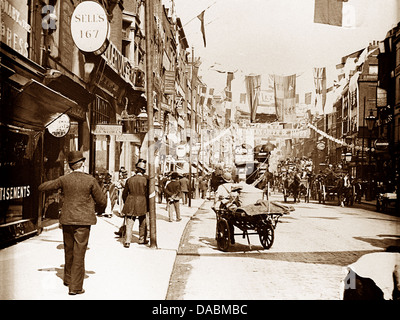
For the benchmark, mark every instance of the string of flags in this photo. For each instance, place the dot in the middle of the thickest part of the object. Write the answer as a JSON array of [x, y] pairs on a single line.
[[338, 141]]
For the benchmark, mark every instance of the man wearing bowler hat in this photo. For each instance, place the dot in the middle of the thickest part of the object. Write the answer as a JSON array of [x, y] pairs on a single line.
[[81, 193]]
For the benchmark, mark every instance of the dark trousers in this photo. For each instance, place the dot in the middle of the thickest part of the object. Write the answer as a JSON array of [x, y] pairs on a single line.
[[76, 240], [185, 196]]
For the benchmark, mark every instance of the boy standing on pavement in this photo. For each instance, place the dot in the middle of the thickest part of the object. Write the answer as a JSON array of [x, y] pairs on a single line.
[[81, 193]]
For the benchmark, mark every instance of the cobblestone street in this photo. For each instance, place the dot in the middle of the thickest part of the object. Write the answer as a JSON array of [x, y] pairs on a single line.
[[312, 246]]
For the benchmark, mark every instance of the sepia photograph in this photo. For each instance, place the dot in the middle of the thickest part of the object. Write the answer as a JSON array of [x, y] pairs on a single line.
[[200, 157]]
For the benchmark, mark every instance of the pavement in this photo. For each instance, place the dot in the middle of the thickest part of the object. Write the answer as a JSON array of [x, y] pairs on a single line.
[[33, 269]]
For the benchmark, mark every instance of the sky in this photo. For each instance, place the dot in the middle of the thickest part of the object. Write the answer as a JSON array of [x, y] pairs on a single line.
[[277, 37]]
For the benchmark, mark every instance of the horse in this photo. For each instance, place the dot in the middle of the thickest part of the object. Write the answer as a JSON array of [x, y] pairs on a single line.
[[295, 188], [344, 190]]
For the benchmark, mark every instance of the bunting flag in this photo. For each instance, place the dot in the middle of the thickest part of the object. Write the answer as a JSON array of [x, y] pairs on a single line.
[[253, 85], [196, 66], [228, 88], [285, 97], [320, 84], [228, 95], [307, 98], [201, 18], [229, 78], [242, 98], [202, 99], [334, 12]]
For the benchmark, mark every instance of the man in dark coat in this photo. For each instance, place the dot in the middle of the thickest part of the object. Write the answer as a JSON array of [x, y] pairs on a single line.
[[81, 193], [136, 204], [173, 195], [184, 181]]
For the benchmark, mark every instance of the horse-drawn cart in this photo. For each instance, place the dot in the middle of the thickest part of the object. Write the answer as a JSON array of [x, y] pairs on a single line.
[[262, 217]]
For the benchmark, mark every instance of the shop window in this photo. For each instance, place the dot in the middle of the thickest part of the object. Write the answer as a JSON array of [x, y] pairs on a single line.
[[102, 111], [20, 153]]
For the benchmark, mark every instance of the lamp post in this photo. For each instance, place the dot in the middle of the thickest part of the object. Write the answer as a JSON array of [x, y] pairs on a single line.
[[371, 119], [149, 18]]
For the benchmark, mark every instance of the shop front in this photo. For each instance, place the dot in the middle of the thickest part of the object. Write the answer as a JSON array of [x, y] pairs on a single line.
[[117, 131], [27, 109]]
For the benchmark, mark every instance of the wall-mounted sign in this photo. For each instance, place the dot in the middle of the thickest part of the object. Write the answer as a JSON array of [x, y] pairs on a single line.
[[90, 27], [60, 126], [14, 25], [128, 137], [108, 129]]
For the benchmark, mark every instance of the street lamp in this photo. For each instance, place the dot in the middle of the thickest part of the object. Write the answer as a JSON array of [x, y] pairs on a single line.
[[371, 119], [141, 122]]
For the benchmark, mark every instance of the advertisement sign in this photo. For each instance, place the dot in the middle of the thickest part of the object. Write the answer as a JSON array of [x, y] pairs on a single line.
[[108, 129], [60, 126], [14, 25], [89, 26]]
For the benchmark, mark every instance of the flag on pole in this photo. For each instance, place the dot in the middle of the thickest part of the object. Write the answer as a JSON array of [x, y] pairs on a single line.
[[201, 18]]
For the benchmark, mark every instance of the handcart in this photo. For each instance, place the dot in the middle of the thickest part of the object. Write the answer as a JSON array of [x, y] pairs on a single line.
[[262, 217]]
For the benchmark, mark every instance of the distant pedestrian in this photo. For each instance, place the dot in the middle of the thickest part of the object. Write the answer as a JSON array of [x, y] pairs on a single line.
[[120, 185], [81, 193], [136, 204], [184, 181], [164, 181], [203, 187], [173, 194]]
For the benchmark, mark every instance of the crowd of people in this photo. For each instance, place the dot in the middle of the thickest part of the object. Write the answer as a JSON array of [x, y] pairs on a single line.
[[128, 197]]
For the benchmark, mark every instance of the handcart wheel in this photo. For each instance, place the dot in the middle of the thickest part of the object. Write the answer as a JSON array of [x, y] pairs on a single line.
[[223, 236], [266, 234]]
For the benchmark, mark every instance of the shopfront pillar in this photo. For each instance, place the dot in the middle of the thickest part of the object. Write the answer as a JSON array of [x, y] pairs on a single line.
[[111, 158]]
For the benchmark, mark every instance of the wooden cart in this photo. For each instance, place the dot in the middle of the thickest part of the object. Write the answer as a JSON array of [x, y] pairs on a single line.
[[257, 217]]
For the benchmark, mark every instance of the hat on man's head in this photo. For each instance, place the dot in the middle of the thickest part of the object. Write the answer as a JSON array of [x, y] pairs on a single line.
[[141, 165], [174, 175], [75, 156], [227, 177]]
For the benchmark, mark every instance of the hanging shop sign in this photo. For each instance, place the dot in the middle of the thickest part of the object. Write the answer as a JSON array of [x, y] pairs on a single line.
[[321, 145], [60, 126], [90, 27], [381, 144], [181, 151]]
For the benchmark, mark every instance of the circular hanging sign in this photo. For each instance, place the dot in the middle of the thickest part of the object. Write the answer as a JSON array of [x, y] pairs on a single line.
[[321, 145], [89, 26], [181, 151], [60, 126]]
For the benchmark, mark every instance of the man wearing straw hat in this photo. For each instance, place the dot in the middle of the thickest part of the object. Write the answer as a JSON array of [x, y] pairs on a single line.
[[81, 193]]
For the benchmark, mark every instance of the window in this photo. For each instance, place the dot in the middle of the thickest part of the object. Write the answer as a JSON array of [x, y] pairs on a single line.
[[101, 111], [373, 70]]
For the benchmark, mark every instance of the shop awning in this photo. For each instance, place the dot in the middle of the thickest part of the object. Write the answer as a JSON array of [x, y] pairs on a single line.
[[36, 105], [69, 88]]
